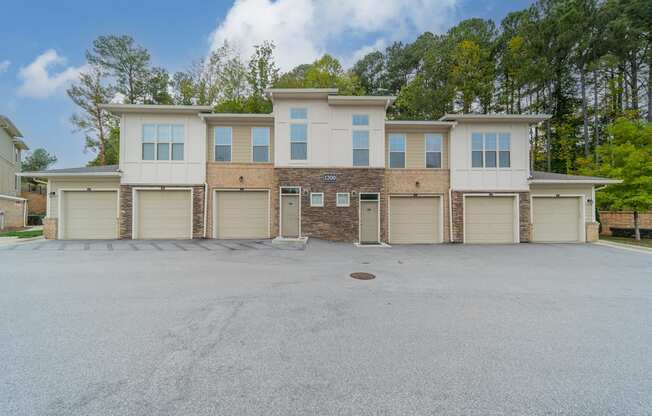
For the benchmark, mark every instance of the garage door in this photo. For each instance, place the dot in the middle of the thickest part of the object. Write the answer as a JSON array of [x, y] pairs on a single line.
[[489, 220], [164, 214], [414, 220], [242, 214], [90, 215], [556, 219]]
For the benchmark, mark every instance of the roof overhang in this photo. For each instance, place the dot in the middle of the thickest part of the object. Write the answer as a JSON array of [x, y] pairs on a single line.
[[10, 127], [420, 124], [156, 109], [497, 118], [237, 117], [596, 181], [361, 100], [299, 93], [20, 144], [46, 174]]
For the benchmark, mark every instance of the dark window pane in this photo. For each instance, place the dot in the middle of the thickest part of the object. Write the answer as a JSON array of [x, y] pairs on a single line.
[[476, 159], [223, 153], [163, 151], [490, 159], [396, 160], [360, 157], [177, 151], [369, 197], [433, 160], [148, 151], [261, 154], [504, 159], [298, 151]]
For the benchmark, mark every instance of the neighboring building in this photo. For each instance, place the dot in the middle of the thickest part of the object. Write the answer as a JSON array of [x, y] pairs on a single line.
[[13, 208], [325, 166]]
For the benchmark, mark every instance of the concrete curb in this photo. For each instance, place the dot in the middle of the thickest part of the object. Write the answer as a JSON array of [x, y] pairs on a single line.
[[5, 241], [629, 247]]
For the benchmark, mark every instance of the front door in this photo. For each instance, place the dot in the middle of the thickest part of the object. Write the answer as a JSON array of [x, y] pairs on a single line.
[[290, 216], [369, 218]]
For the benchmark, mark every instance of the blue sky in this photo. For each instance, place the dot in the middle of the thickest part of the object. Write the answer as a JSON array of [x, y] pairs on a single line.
[[42, 43]]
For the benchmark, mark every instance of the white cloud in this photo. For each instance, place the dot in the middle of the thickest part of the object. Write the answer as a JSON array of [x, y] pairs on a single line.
[[303, 29], [39, 82], [4, 65]]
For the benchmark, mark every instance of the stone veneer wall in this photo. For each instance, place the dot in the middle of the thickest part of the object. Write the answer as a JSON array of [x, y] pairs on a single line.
[[126, 207], [430, 181], [254, 176], [623, 219], [458, 214], [14, 212], [50, 228], [331, 222], [592, 232]]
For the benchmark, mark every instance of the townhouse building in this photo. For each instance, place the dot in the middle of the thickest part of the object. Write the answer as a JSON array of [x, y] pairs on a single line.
[[13, 208], [321, 165]]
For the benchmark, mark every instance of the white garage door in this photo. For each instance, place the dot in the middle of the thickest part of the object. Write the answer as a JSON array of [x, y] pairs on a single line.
[[164, 214], [90, 215], [556, 219], [489, 219], [414, 220], [241, 214]]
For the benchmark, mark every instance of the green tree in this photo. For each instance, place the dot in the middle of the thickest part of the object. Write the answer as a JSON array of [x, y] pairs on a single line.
[[325, 72], [371, 72], [262, 73], [627, 155], [89, 93], [38, 160], [157, 89], [127, 61]]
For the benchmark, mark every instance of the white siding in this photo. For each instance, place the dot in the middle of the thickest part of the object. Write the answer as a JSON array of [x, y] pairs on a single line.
[[56, 184], [8, 165], [464, 177], [330, 142], [570, 189], [191, 170]]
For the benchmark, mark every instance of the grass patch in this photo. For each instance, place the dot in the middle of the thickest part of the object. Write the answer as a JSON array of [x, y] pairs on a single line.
[[644, 242], [23, 234]]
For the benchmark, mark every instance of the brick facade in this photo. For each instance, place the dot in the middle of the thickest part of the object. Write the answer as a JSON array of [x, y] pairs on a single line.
[[126, 209], [623, 219], [331, 222], [592, 229], [458, 214], [50, 228], [13, 212]]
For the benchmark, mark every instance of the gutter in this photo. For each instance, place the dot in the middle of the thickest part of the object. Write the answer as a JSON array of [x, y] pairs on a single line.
[[69, 174], [575, 181]]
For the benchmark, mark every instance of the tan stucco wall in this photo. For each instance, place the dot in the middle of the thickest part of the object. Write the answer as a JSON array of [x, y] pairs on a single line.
[[14, 212], [241, 150], [254, 176], [586, 190], [415, 147], [431, 181], [56, 184]]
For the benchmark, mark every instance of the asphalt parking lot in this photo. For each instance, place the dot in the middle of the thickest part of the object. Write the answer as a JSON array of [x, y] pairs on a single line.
[[181, 329]]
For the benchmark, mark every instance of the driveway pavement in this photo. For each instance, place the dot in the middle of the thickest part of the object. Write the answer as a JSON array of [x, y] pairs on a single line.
[[456, 330]]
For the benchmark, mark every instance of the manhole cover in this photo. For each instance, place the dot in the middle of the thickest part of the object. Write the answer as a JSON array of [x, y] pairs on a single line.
[[362, 276]]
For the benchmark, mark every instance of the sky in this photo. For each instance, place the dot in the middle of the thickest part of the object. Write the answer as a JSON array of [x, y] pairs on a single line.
[[42, 43]]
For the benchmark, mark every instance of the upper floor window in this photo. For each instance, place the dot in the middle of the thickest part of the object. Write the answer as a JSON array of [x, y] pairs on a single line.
[[299, 134], [490, 150], [223, 143], [360, 140], [433, 150], [260, 144], [360, 120], [360, 148], [396, 150], [17, 154], [163, 141]]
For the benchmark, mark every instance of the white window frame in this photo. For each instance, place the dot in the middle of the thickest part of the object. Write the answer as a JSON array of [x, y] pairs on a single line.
[[360, 148], [348, 199], [484, 150], [215, 144], [301, 121], [156, 143], [441, 150], [322, 199], [269, 141], [389, 148]]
